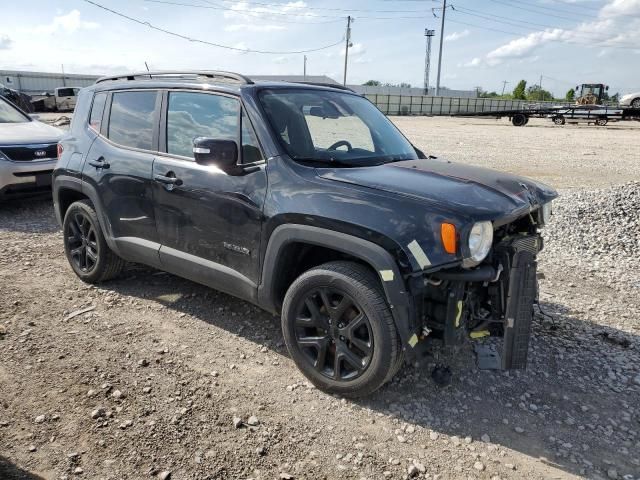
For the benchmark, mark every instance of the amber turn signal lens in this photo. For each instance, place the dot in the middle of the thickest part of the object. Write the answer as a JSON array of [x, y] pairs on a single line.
[[448, 235]]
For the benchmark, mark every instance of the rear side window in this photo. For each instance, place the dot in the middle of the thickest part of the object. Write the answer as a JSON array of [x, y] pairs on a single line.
[[192, 115], [132, 118], [66, 92], [97, 109]]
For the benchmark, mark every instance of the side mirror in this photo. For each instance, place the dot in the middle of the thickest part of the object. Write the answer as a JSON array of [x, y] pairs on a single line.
[[210, 151]]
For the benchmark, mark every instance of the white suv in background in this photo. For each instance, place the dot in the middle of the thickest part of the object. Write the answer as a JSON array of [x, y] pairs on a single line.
[[28, 152], [631, 100]]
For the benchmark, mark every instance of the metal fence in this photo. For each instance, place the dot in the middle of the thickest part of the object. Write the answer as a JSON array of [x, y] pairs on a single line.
[[427, 105], [35, 83]]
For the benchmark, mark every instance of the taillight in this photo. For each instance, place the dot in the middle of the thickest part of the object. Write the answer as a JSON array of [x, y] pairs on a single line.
[[60, 150]]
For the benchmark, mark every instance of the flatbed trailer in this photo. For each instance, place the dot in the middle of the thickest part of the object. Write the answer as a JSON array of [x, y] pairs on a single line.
[[597, 114]]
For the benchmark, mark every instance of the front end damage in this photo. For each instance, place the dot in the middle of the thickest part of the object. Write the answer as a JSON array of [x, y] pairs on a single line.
[[493, 299]]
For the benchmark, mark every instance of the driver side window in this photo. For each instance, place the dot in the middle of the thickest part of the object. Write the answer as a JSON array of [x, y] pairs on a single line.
[[326, 132]]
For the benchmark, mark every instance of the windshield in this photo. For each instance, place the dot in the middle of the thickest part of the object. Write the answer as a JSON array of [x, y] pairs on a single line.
[[10, 114], [333, 127]]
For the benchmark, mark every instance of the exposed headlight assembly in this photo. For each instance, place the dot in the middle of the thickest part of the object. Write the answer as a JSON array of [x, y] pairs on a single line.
[[545, 213], [480, 240]]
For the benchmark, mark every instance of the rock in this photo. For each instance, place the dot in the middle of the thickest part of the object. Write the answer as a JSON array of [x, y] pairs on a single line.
[[433, 435], [146, 390], [401, 439], [253, 421], [519, 430], [421, 468], [410, 429], [468, 440], [261, 451], [479, 466], [412, 470], [118, 395], [237, 422], [40, 419], [78, 471], [126, 424], [98, 412], [3, 330], [143, 362], [286, 476], [91, 393], [165, 475], [32, 448], [612, 473], [510, 466], [485, 438]]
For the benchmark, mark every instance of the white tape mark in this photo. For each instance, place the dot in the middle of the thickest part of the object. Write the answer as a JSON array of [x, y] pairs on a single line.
[[387, 275], [419, 254]]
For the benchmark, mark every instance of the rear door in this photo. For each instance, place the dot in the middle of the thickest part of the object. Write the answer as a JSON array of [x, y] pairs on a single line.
[[119, 166], [209, 222]]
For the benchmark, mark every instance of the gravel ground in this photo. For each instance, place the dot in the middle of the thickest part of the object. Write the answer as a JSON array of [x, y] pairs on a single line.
[[164, 378]]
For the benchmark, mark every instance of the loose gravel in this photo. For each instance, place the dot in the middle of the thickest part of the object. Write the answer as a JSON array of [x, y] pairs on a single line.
[[161, 378]]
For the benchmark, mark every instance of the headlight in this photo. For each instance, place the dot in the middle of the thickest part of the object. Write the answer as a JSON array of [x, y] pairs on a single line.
[[480, 240], [545, 213]]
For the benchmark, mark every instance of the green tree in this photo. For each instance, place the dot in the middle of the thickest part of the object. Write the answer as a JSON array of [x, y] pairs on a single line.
[[372, 83], [519, 93], [536, 93], [571, 95]]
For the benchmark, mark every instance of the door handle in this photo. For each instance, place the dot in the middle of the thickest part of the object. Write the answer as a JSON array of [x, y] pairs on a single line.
[[167, 180], [99, 163]]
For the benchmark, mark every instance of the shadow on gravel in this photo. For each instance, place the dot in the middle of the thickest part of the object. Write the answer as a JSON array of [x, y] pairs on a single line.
[[28, 215], [575, 407], [9, 471]]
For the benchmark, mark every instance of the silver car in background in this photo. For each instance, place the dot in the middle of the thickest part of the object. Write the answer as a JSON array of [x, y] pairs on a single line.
[[28, 153], [630, 100]]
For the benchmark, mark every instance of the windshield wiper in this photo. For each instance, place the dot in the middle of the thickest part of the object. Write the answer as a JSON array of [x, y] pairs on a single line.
[[330, 161]]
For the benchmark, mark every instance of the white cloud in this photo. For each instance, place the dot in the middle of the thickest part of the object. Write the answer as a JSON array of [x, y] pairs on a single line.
[[69, 23], [5, 42], [452, 37], [243, 11], [251, 27]]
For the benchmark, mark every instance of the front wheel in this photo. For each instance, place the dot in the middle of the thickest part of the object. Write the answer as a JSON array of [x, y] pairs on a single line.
[[636, 103], [601, 122], [339, 330]]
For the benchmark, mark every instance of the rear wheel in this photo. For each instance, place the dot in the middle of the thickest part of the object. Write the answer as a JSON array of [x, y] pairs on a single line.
[[339, 330], [601, 122], [519, 120], [635, 103], [85, 246], [559, 120]]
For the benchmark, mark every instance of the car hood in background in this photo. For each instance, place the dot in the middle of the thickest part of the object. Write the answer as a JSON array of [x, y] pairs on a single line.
[[28, 132], [478, 192]]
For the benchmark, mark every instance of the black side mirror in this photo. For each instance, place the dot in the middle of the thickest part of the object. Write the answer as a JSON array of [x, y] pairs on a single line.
[[210, 151]]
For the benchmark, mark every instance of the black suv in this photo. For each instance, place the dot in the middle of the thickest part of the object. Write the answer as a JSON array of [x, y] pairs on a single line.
[[308, 202]]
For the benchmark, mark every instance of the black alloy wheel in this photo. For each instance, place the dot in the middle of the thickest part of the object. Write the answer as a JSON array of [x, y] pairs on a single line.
[[82, 242], [333, 333]]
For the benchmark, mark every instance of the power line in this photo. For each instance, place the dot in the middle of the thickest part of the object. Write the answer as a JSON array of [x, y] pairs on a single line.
[[508, 4], [488, 16], [556, 9], [248, 12], [332, 9], [195, 40]]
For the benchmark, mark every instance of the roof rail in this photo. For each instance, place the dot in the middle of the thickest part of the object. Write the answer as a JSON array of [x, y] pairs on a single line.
[[211, 74], [331, 85]]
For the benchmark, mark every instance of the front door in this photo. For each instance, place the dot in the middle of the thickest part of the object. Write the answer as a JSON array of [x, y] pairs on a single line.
[[209, 222], [119, 166]]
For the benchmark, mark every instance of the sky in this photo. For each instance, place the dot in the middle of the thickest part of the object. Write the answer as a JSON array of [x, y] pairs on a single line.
[[486, 42]]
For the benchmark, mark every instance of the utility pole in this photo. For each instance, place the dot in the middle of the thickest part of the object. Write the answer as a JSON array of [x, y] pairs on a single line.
[[504, 84], [346, 48], [444, 11], [427, 60], [305, 68], [64, 83], [540, 86]]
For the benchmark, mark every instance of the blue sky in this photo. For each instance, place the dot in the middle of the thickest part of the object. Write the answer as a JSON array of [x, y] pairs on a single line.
[[486, 41]]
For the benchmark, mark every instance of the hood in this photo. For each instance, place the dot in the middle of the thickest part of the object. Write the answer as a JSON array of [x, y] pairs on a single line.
[[479, 193], [28, 133]]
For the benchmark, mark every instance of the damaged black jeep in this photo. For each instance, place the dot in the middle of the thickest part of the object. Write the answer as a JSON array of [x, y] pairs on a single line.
[[308, 202]]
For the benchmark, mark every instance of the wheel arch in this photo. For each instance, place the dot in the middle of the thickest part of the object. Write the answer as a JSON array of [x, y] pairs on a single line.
[[280, 267]]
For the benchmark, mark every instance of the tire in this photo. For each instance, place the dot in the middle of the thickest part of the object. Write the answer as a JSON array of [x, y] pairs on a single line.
[[559, 120], [355, 299], [85, 246], [635, 103], [519, 120], [601, 122]]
